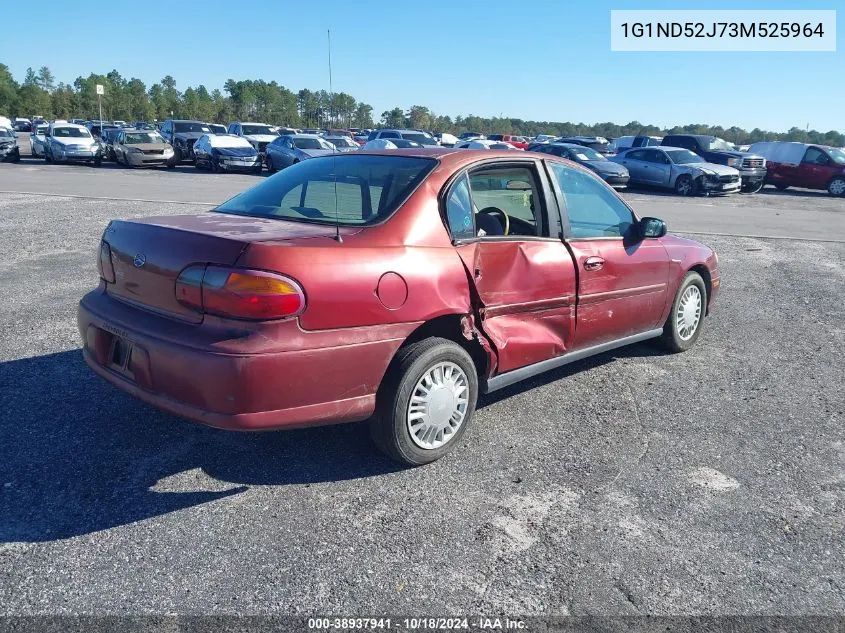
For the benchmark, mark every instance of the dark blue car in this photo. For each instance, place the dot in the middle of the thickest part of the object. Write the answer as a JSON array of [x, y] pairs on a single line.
[[226, 152]]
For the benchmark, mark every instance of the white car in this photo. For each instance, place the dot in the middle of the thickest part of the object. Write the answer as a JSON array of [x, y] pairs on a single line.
[[258, 134], [342, 143], [486, 144], [38, 139], [67, 142]]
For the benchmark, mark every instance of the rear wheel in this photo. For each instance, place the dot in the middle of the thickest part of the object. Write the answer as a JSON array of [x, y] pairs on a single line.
[[753, 187], [781, 187], [426, 402], [684, 185], [682, 328], [836, 187]]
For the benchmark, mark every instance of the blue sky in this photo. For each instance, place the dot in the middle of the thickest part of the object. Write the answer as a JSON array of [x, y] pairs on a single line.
[[543, 60]]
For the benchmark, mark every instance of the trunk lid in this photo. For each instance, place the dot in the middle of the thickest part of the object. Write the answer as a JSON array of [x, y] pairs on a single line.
[[149, 253]]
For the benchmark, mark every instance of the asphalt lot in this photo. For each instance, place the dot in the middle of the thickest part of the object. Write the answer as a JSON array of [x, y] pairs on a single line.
[[710, 482]]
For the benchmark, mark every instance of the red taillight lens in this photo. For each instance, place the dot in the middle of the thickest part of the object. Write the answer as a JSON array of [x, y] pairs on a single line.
[[104, 265], [239, 293]]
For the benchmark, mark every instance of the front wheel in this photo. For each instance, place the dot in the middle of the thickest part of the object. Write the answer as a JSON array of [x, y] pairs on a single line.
[[684, 185], [836, 187], [270, 166], [98, 162], [682, 328], [426, 402], [753, 187], [781, 187]]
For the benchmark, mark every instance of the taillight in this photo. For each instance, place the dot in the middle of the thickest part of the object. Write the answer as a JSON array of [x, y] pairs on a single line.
[[239, 293], [104, 265]]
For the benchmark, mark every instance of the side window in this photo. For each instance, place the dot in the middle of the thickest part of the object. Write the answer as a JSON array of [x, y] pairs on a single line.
[[459, 210], [815, 156], [592, 208], [506, 200], [637, 154], [391, 135], [655, 156]]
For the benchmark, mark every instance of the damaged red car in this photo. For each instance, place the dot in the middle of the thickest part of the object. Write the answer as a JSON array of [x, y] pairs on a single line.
[[390, 286]]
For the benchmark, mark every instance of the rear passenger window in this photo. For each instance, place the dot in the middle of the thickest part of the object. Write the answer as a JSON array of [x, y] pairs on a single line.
[[592, 208], [459, 211]]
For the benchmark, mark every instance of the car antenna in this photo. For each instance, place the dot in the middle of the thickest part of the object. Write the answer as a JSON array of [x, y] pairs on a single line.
[[334, 151]]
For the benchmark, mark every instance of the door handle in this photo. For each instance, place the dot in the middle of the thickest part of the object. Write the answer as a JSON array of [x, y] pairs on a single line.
[[593, 263]]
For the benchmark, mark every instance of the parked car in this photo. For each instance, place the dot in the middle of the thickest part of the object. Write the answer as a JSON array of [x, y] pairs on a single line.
[[216, 128], [182, 135], [342, 143], [9, 150], [543, 138], [409, 135], [293, 148], [517, 141], [751, 166], [119, 123], [258, 134], [302, 301], [107, 138], [483, 143], [390, 143], [21, 125], [614, 174], [679, 169], [67, 142], [803, 165], [38, 140], [141, 148], [445, 139], [468, 136], [597, 143], [219, 153]]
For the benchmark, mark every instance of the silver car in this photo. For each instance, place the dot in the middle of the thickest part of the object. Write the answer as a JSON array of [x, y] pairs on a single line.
[[679, 169]]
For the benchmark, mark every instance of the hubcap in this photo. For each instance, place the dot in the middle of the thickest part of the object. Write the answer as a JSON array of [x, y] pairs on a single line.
[[438, 405], [684, 187], [689, 312], [837, 187]]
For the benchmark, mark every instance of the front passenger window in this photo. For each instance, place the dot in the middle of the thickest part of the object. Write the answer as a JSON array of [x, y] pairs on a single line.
[[592, 208]]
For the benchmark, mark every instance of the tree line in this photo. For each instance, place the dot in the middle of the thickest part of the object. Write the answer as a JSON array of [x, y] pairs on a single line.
[[270, 102]]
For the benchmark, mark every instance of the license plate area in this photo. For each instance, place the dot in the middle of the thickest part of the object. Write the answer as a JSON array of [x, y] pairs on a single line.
[[121, 354]]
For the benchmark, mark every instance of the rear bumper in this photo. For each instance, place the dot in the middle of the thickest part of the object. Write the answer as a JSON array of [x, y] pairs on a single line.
[[193, 371]]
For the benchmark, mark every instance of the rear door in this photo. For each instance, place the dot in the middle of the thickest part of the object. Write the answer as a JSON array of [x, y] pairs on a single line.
[[658, 167], [634, 161], [523, 275], [622, 279]]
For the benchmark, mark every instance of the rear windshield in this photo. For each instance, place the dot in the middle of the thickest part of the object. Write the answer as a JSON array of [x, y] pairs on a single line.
[[190, 126], [257, 129], [356, 189], [422, 139], [71, 132]]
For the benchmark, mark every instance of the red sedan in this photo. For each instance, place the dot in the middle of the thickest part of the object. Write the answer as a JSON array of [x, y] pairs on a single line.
[[393, 286]]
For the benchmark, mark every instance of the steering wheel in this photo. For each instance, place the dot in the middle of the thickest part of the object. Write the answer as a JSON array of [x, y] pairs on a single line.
[[505, 221]]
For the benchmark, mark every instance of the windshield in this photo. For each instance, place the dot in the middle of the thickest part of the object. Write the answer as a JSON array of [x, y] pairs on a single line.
[[142, 137], [341, 141], [310, 143], [190, 126], [70, 132], [422, 139], [5, 132], [586, 153], [719, 145], [217, 129], [837, 155], [351, 189], [684, 157], [257, 129]]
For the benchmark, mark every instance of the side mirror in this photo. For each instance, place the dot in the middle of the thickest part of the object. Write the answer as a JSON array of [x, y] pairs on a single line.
[[652, 227]]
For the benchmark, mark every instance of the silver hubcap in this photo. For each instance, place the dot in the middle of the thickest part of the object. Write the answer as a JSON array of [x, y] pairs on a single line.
[[689, 312], [837, 187], [438, 405], [684, 186]]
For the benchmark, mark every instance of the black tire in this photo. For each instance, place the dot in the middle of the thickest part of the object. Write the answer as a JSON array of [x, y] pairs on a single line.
[[47, 157], [17, 157], [98, 162], [671, 338], [215, 166], [837, 187], [753, 188], [781, 187], [685, 185], [270, 167], [170, 165], [389, 426]]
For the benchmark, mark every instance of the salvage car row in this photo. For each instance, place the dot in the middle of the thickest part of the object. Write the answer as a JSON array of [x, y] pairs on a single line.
[[687, 164]]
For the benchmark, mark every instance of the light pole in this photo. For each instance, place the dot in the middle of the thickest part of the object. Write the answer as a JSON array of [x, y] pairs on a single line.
[[100, 100]]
